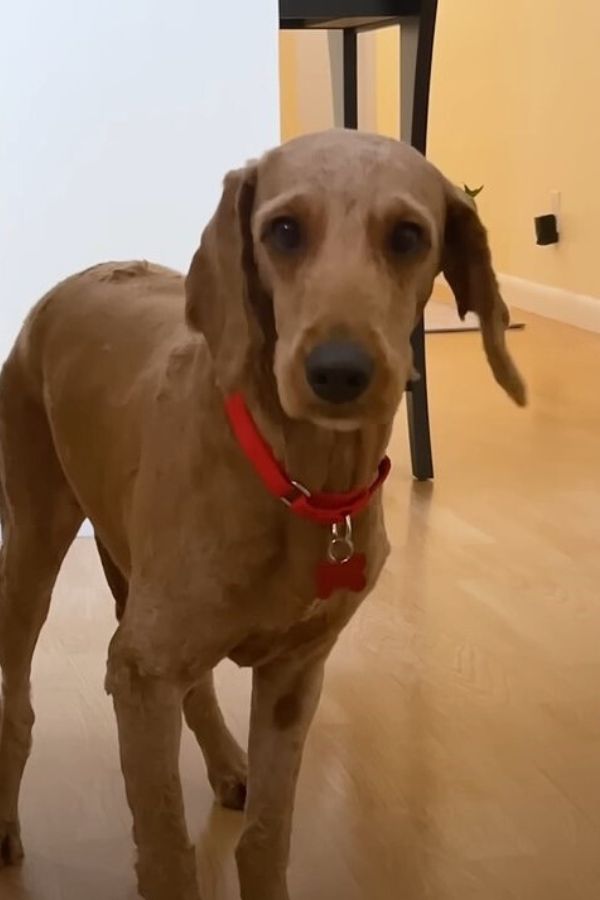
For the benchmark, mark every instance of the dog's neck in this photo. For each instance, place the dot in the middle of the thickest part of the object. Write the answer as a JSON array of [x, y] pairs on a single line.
[[324, 459], [319, 458]]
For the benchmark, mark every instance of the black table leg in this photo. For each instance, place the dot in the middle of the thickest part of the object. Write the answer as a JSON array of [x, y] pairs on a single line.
[[417, 408], [350, 64], [417, 35], [416, 52]]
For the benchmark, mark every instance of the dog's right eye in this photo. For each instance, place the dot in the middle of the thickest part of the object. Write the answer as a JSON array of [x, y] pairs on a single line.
[[405, 238], [284, 234]]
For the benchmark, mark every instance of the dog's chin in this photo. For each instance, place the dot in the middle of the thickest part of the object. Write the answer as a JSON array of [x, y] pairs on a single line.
[[336, 420], [351, 421], [344, 425]]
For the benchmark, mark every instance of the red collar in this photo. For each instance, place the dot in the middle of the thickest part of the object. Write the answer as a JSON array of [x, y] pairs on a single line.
[[320, 507]]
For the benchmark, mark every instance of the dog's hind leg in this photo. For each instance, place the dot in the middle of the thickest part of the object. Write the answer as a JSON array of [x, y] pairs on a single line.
[[40, 518], [226, 762]]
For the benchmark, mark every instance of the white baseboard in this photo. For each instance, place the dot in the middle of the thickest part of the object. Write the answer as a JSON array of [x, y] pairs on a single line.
[[554, 303]]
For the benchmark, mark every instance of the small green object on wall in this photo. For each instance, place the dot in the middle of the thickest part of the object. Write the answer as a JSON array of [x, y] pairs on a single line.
[[472, 192]]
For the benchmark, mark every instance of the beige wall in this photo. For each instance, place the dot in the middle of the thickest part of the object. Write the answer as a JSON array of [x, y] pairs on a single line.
[[514, 106], [307, 98]]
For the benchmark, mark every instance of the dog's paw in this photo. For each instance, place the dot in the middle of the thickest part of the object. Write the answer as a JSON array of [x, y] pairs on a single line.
[[230, 791], [228, 776], [11, 848]]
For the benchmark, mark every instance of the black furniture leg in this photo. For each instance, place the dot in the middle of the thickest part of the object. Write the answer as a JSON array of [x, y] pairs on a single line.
[[350, 64], [417, 408], [416, 37], [417, 33]]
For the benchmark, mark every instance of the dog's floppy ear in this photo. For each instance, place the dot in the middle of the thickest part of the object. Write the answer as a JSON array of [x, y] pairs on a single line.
[[467, 267], [224, 299]]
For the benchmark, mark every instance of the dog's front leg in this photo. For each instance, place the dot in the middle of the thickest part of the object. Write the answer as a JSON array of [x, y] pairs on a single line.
[[148, 712], [285, 695]]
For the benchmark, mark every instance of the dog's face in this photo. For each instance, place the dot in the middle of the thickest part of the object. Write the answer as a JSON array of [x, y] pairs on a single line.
[[322, 257]]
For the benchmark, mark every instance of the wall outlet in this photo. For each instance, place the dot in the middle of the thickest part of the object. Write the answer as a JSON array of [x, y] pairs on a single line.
[[546, 231]]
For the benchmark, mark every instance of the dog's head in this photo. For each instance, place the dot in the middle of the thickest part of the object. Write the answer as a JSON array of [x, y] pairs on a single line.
[[318, 264]]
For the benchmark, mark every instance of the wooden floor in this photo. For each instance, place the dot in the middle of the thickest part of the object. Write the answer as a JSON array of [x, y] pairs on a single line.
[[456, 755]]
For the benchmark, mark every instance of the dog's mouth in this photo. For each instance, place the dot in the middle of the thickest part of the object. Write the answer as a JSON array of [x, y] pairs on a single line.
[[350, 417]]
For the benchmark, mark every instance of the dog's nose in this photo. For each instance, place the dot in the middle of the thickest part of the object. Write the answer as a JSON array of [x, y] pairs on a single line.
[[339, 371]]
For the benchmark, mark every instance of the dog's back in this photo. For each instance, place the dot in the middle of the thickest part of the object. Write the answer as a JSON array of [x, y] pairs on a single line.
[[123, 312], [85, 361]]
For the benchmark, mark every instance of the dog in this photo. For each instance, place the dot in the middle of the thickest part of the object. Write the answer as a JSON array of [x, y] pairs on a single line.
[[225, 433]]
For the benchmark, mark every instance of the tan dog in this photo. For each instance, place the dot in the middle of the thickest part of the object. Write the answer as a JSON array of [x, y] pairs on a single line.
[[302, 296]]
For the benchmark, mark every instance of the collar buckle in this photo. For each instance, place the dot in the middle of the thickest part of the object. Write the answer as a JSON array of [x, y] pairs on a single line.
[[300, 490]]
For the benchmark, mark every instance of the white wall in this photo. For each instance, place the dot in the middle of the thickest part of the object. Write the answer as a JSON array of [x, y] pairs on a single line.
[[118, 120]]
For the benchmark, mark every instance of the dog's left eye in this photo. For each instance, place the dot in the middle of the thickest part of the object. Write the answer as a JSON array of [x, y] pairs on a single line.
[[405, 238], [284, 234]]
